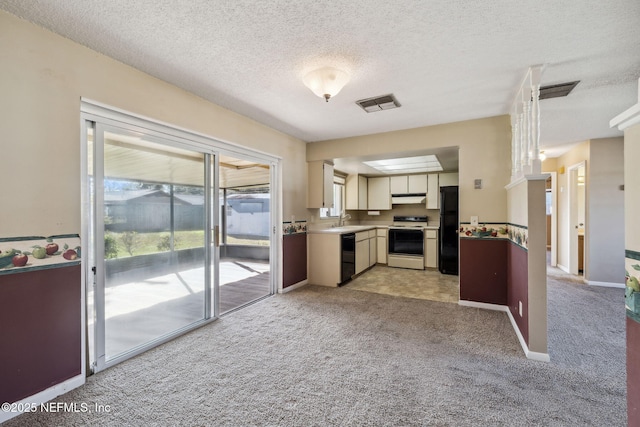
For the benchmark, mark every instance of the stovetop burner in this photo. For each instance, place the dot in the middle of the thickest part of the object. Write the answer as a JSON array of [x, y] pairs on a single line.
[[410, 221]]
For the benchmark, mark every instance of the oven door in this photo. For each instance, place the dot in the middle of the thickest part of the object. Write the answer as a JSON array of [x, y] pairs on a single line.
[[406, 241]]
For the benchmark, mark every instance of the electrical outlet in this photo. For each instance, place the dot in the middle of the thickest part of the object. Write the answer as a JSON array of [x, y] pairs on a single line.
[[520, 307], [474, 221]]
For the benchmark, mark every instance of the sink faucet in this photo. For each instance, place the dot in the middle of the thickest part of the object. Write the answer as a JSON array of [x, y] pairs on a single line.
[[343, 217]]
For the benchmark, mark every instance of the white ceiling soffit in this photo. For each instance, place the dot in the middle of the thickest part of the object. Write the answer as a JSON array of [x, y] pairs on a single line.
[[447, 60]]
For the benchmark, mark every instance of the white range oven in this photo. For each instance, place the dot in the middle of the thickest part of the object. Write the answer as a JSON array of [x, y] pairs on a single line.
[[406, 242]]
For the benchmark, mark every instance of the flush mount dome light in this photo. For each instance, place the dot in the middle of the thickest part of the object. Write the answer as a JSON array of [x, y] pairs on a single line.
[[326, 82]]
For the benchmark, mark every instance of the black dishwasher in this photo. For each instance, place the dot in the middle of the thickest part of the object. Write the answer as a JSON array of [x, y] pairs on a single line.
[[348, 252]]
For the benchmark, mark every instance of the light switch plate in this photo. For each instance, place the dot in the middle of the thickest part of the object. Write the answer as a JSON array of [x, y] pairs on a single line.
[[474, 220]]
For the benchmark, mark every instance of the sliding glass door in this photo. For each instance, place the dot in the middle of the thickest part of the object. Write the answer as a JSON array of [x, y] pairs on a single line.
[[152, 220], [178, 229]]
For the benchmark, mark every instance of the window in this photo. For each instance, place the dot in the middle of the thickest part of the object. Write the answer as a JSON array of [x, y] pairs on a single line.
[[338, 199]]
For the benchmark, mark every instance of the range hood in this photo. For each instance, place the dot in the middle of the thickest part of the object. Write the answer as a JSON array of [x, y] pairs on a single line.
[[409, 199]]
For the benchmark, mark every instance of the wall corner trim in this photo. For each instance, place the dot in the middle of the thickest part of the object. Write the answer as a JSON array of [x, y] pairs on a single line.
[[533, 355], [605, 284]]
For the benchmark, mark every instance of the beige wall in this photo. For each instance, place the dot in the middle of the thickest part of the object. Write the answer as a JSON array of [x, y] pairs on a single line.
[[484, 152], [605, 212], [604, 205], [42, 78], [517, 204]]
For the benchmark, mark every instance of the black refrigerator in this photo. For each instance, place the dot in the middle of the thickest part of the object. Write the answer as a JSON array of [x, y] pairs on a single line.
[[448, 261]]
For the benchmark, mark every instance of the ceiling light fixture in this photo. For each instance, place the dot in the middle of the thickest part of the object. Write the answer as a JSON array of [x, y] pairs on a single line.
[[542, 156], [326, 82]]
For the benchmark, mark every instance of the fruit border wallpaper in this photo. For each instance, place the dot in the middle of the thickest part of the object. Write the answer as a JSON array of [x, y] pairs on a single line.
[[289, 227], [518, 234], [19, 254], [632, 282]]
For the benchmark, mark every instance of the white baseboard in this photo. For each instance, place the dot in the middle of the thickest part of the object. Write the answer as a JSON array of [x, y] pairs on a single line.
[[294, 286], [484, 305], [32, 403], [533, 355], [563, 268], [605, 284]]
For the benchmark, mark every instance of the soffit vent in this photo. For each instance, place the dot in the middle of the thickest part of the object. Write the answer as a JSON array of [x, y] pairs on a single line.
[[378, 103], [556, 91]]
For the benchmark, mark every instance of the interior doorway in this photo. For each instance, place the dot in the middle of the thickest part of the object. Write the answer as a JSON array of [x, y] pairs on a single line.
[[577, 219], [552, 218]]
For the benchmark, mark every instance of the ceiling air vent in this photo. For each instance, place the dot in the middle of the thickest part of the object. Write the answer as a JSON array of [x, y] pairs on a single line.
[[378, 103], [556, 91]]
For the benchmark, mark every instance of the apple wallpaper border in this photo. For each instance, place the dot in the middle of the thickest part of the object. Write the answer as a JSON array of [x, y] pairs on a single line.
[[18, 254]]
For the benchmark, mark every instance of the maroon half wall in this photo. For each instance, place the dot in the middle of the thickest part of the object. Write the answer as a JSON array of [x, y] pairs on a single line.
[[294, 259], [633, 372], [40, 330], [483, 267], [518, 287]]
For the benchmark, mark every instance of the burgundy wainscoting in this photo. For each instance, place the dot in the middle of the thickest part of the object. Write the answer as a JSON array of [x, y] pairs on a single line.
[[483, 267], [40, 330], [518, 287], [633, 372], [294, 263]]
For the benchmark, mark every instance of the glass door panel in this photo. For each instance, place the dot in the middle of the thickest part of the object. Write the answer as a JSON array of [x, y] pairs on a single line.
[[152, 212], [245, 231]]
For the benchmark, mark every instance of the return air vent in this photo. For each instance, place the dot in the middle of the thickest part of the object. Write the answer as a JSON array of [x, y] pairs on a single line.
[[378, 103], [556, 91]]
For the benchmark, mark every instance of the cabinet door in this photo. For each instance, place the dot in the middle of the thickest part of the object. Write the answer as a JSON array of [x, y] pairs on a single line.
[[431, 253], [447, 179], [382, 249], [352, 190], [362, 192], [362, 255], [373, 252], [399, 184], [327, 199], [319, 185], [379, 193], [433, 192], [418, 183]]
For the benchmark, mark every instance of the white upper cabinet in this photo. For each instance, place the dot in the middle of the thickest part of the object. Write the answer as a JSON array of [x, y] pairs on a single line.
[[418, 183], [356, 192], [379, 193], [408, 184], [433, 192], [447, 179], [320, 185], [399, 184]]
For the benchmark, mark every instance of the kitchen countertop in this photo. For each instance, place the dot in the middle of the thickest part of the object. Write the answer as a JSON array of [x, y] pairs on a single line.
[[356, 228]]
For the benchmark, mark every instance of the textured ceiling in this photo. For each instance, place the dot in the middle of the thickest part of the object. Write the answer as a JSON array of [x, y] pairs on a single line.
[[445, 60]]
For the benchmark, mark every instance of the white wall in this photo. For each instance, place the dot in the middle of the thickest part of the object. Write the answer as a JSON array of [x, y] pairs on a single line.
[[42, 78]]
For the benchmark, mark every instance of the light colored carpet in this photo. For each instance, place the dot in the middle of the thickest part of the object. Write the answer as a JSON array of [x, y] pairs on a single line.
[[338, 357]]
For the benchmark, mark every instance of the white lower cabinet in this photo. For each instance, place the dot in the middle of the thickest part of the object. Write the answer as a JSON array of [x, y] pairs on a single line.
[[373, 253], [362, 251], [431, 249], [381, 243]]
